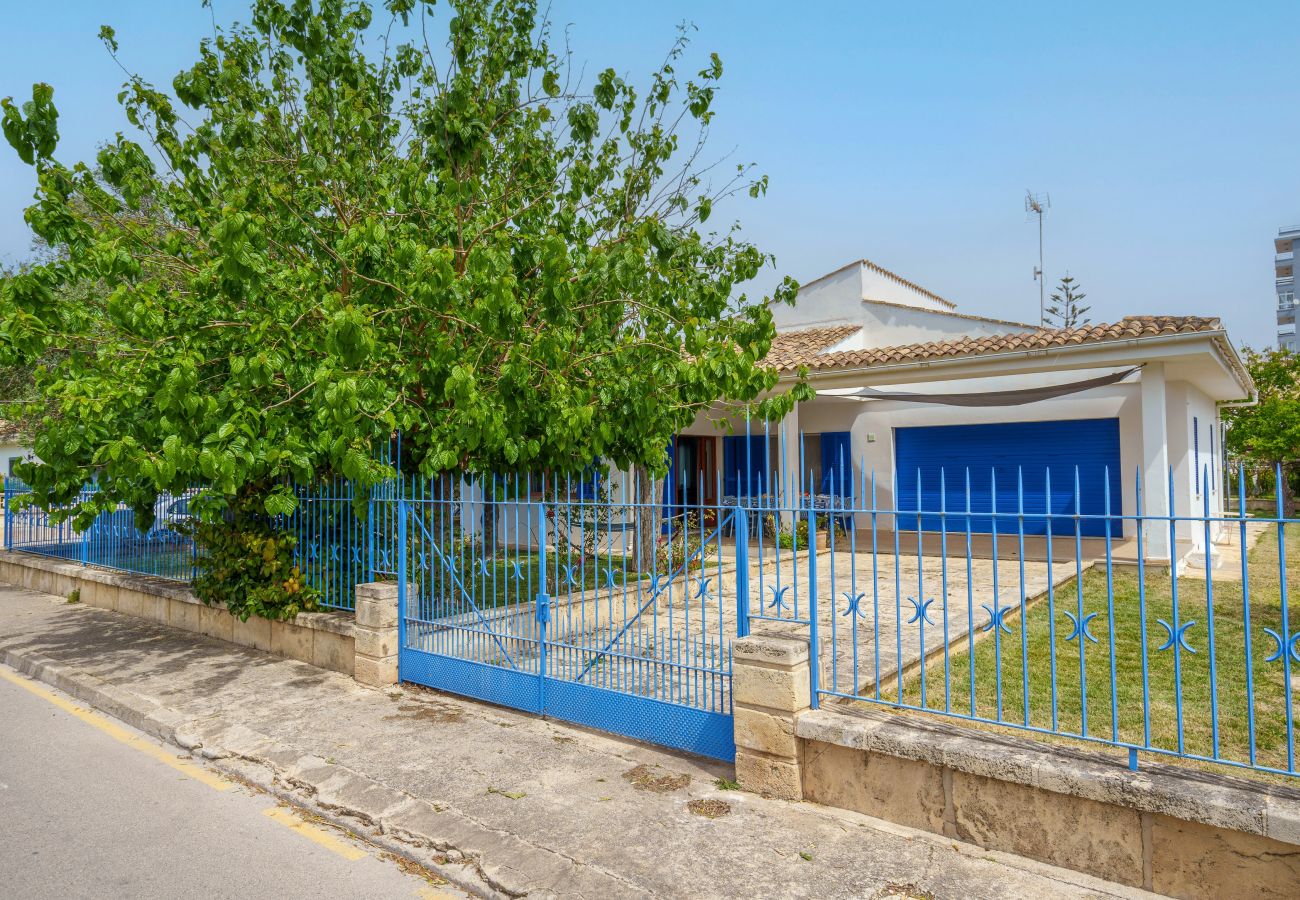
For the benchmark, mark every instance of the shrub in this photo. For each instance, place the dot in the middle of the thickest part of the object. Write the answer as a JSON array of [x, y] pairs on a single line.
[[247, 566]]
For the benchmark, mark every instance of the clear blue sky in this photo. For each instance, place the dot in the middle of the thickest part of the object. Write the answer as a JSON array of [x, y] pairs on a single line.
[[1168, 134]]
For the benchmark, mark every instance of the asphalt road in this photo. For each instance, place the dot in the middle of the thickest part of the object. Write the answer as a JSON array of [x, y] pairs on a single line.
[[92, 808]]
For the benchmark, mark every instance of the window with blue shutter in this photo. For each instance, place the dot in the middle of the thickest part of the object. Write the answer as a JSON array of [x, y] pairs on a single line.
[[837, 463], [1196, 453], [742, 465]]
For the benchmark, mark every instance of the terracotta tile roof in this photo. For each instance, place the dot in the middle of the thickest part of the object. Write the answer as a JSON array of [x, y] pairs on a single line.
[[792, 349], [804, 348]]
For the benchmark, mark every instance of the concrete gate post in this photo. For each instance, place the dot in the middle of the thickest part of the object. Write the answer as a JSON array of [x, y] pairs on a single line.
[[376, 634], [770, 687]]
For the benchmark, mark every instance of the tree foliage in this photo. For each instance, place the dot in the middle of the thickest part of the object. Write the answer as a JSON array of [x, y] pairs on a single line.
[[1268, 433], [306, 247], [1066, 309]]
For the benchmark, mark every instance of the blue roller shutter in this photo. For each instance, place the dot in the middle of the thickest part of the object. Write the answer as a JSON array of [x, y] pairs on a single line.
[[995, 456]]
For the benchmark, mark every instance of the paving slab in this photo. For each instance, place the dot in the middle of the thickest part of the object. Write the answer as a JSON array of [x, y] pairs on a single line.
[[508, 804]]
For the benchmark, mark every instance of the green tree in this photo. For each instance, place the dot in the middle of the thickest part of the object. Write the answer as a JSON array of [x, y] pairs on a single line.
[[1066, 309], [460, 244], [1268, 433]]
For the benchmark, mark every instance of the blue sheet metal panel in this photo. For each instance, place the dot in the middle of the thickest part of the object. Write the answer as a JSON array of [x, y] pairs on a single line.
[[482, 681], [1006, 451], [696, 731]]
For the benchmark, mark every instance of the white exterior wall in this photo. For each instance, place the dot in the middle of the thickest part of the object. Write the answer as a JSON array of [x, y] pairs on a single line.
[[891, 326], [13, 451], [833, 300], [1196, 410], [890, 313], [879, 286]]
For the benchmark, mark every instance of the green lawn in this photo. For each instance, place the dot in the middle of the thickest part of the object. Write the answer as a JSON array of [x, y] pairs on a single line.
[[1122, 716]]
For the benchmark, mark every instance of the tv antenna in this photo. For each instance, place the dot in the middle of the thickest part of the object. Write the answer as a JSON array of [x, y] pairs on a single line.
[[1036, 205]]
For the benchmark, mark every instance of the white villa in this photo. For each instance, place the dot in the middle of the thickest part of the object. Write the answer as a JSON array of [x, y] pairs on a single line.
[[909, 388]]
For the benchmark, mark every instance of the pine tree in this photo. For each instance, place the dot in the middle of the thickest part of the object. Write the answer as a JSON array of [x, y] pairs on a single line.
[[1066, 309]]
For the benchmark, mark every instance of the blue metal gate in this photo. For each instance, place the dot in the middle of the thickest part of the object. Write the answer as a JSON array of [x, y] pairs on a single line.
[[551, 598]]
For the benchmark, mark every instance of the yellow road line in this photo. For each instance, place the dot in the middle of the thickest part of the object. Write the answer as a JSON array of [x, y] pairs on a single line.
[[432, 893], [117, 732], [315, 833]]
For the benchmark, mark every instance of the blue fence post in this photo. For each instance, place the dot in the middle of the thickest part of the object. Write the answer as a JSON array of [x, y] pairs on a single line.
[[370, 533], [543, 604], [402, 580], [814, 662], [741, 522]]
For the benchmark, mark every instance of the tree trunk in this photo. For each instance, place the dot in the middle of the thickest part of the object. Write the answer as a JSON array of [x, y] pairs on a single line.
[[648, 513], [1284, 490]]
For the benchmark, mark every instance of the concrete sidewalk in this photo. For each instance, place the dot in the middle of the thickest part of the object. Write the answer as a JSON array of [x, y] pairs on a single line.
[[502, 803]]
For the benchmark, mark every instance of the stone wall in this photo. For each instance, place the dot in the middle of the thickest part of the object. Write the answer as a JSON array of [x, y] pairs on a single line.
[[323, 639], [1171, 829]]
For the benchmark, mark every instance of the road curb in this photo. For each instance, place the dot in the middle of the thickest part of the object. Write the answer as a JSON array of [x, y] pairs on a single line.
[[479, 859]]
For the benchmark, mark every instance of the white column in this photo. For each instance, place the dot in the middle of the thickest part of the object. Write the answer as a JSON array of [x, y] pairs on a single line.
[[788, 463], [1155, 460]]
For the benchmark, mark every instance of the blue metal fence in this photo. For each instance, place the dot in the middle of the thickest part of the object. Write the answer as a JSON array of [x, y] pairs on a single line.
[[545, 593], [334, 538], [1097, 639], [112, 540], [332, 549]]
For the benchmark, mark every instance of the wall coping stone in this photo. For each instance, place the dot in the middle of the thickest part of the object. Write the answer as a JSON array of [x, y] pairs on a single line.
[[1223, 801], [336, 621], [770, 649], [377, 590]]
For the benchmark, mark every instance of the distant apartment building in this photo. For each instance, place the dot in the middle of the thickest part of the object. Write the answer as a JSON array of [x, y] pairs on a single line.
[[1284, 269]]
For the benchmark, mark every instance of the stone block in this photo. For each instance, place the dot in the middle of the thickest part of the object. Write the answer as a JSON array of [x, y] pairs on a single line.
[[779, 689], [130, 602], [1073, 832], [767, 775], [376, 642], [216, 622], [377, 613], [332, 651], [766, 732], [153, 608], [100, 596], [1282, 820], [183, 615], [255, 633], [291, 641], [905, 791], [375, 672], [1189, 859], [61, 585], [53, 583]]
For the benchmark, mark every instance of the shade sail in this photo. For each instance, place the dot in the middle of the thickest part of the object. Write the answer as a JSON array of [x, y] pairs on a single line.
[[997, 398]]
